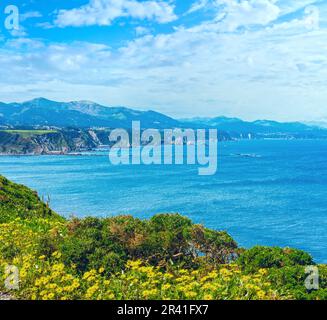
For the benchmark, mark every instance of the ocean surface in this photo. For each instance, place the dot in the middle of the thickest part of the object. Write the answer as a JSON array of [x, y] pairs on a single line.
[[270, 192]]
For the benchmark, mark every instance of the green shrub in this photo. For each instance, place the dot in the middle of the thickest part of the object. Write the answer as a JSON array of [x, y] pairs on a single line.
[[17, 201], [88, 246], [292, 279], [272, 257]]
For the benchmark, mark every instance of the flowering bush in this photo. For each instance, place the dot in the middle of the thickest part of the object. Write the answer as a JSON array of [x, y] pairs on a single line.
[[166, 257], [51, 280], [49, 276]]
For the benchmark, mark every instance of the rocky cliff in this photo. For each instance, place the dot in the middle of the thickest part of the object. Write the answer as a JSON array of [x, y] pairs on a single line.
[[57, 142]]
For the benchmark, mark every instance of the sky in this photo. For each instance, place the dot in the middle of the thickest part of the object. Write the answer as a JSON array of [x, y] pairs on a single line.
[[253, 59]]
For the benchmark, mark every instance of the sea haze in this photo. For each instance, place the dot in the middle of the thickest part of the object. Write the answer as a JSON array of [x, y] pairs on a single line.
[[267, 192]]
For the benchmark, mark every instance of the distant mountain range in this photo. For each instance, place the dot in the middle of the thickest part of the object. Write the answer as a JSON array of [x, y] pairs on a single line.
[[78, 114], [319, 124], [85, 114], [261, 128]]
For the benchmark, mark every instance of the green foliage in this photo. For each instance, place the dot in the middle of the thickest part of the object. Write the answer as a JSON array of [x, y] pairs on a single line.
[[19, 201], [292, 279], [166, 256], [162, 240], [88, 246], [272, 257]]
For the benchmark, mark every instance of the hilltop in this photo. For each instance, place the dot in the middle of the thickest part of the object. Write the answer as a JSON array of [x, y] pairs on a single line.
[[78, 114], [18, 201]]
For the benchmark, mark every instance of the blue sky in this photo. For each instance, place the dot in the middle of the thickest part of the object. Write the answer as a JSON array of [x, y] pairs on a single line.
[[252, 59]]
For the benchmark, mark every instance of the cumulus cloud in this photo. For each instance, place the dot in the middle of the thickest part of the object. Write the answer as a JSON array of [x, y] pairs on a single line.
[[277, 70], [104, 12], [309, 21], [248, 13]]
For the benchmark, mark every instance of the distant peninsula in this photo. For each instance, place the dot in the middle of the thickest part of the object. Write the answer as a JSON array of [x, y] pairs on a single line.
[[42, 126]]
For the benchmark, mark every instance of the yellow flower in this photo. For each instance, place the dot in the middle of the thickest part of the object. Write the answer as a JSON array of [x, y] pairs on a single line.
[[263, 272], [56, 254], [134, 264], [213, 274], [76, 284], [43, 293], [261, 294], [150, 293], [190, 294], [111, 296], [225, 272], [91, 291], [51, 286], [51, 296], [209, 286], [166, 286]]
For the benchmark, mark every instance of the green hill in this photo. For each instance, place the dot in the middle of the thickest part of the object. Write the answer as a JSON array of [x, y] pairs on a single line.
[[18, 201]]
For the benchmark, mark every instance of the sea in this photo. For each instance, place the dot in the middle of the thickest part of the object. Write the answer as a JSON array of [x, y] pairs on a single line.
[[265, 192]]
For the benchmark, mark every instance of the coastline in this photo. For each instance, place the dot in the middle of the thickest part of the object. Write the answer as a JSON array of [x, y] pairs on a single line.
[[81, 153], [229, 201]]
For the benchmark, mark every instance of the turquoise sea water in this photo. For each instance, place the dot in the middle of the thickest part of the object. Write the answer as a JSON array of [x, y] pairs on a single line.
[[265, 192]]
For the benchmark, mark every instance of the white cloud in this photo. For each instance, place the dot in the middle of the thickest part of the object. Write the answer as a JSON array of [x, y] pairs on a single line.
[[291, 6], [198, 5], [104, 12], [141, 31], [248, 13], [21, 32], [277, 70], [309, 21], [20, 43], [29, 15]]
